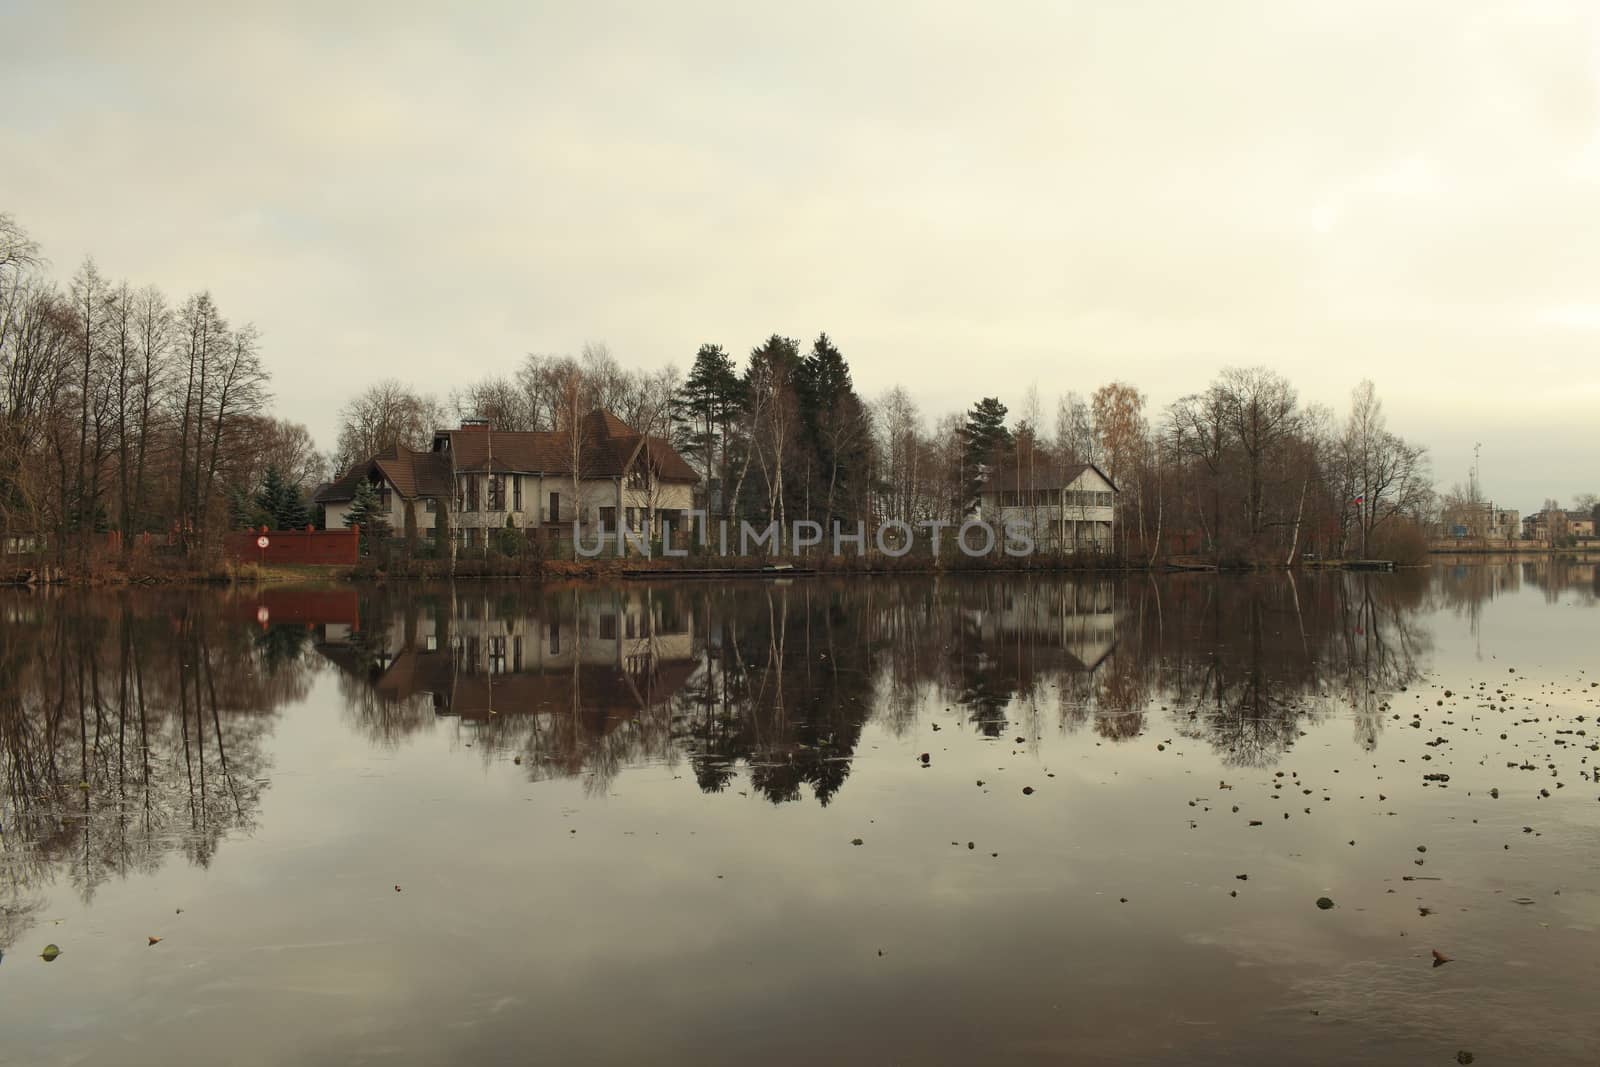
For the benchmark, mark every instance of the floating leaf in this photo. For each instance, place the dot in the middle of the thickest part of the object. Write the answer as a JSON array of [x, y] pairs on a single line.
[[154, 940], [50, 952]]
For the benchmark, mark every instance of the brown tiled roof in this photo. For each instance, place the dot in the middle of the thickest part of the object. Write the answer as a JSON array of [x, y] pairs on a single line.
[[608, 445], [413, 474]]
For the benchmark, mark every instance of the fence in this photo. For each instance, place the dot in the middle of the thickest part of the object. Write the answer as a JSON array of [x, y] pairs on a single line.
[[335, 547]]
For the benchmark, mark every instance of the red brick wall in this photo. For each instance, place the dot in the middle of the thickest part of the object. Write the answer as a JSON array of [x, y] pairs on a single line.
[[339, 547]]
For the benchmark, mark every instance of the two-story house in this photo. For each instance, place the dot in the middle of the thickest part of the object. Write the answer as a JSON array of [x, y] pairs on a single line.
[[1072, 508], [476, 479]]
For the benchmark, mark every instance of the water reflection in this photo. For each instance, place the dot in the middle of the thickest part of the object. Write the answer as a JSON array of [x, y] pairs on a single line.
[[136, 727], [779, 680], [131, 726]]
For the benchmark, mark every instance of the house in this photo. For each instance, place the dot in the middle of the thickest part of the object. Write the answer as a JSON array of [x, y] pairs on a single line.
[[1554, 525], [474, 479], [1071, 508]]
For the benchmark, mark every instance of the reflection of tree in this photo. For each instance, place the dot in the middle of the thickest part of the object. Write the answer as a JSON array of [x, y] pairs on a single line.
[[775, 683], [130, 725]]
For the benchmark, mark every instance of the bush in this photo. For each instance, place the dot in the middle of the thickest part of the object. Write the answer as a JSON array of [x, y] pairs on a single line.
[[1401, 542]]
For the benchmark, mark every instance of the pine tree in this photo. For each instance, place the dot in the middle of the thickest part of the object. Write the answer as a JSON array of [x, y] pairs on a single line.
[[243, 512], [707, 402], [366, 511], [984, 439], [836, 426], [280, 503]]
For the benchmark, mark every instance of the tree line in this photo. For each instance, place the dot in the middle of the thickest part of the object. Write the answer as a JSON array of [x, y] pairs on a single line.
[[1240, 471], [123, 410]]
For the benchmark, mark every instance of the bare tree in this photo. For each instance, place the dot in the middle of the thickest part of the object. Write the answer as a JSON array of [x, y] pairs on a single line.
[[505, 403], [384, 415], [1261, 411], [1389, 475], [238, 387], [153, 323], [573, 424]]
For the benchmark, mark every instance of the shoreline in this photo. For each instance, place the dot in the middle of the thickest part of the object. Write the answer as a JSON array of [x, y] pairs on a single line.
[[684, 569]]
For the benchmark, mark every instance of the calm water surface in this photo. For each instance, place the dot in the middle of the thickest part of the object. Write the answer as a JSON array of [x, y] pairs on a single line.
[[876, 821]]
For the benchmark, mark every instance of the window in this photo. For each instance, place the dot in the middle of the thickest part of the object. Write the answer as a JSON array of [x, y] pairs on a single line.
[[430, 505], [555, 638], [470, 488], [497, 493], [608, 627], [608, 518], [516, 492], [555, 508]]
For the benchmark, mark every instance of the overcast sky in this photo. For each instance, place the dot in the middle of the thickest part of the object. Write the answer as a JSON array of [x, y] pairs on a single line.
[[968, 197]]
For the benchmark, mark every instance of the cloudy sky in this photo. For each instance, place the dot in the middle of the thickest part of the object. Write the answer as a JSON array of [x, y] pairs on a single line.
[[970, 198]]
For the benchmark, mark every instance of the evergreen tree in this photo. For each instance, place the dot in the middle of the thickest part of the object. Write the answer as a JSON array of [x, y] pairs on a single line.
[[836, 425], [707, 402], [243, 513], [366, 511], [984, 440], [280, 503]]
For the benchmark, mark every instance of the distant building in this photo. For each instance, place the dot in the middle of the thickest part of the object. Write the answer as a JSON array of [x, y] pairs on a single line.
[[1073, 508], [482, 479], [1480, 520], [1554, 525]]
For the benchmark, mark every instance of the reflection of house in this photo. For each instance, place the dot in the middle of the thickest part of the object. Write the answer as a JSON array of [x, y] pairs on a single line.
[[603, 659], [1075, 626], [1071, 508], [484, 479]]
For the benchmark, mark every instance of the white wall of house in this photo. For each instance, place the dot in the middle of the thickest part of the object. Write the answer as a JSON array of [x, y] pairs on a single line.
[[336, 512], [542, 499], [551, 498], [1080, 515]]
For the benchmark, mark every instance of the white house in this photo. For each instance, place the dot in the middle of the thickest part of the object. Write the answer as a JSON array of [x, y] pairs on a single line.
[[1073, 509]]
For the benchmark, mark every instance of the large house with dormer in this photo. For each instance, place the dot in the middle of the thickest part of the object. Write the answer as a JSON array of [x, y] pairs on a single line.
[[603, 475]]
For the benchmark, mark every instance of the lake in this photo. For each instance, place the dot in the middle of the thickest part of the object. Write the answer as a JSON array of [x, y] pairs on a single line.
[[995, 820]]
